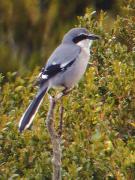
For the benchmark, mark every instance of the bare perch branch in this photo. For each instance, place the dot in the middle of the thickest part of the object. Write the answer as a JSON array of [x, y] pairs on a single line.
[[55, 139], [61, 119]]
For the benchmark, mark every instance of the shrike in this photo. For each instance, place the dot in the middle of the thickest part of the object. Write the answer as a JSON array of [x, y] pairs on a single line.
[[64, 68]]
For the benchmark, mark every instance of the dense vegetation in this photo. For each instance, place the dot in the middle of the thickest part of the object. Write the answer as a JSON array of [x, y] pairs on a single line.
[[99, 119], [31, 29]]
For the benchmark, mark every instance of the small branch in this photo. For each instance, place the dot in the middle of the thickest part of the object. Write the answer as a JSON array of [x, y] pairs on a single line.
[[49, 120], [61, 119], [55, 139]]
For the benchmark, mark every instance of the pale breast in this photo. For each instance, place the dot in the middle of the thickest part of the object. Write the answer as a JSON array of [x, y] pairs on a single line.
[[75, 73]]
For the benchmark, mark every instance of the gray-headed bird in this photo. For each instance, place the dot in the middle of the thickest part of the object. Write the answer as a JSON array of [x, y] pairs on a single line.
[[64, 68]]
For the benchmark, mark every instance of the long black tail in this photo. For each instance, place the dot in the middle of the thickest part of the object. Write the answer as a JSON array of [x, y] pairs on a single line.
[[32, 109]]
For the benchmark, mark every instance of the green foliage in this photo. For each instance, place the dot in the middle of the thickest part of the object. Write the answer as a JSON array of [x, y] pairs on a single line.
[[26, 27], [99, 119]]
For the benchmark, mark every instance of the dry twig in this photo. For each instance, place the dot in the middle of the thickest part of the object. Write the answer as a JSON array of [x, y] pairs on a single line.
[[55, 138]]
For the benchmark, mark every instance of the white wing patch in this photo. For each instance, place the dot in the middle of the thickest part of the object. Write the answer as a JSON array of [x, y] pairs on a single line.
[[63, 65], [44, 76], [54, 63]]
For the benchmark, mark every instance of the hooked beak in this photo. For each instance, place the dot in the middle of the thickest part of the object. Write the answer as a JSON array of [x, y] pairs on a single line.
[[93, 37]]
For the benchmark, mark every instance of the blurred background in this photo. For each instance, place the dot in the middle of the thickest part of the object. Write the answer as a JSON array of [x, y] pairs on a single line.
[[98, 140], [31, 29]]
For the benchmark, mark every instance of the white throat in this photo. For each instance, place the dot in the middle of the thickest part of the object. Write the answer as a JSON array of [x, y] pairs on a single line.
[[85, 45]]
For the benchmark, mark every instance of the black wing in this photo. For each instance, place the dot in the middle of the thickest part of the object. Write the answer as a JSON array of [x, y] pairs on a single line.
[[52, 70]]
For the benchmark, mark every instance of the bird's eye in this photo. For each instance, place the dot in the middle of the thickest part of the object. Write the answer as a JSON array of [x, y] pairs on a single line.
[[80, 37]]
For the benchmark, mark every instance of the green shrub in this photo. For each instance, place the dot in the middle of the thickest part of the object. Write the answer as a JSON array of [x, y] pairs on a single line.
[[99, 119]]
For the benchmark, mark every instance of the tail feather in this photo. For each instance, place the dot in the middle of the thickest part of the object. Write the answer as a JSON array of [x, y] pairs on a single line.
[[31, 111]]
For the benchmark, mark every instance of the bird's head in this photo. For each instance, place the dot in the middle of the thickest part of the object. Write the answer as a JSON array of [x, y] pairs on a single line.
[[78, 35]]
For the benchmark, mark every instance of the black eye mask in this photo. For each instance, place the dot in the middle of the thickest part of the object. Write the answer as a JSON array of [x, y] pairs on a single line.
[[80, 38]]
